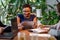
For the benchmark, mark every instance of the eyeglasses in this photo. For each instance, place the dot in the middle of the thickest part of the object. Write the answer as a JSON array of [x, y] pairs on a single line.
[[26, 11]]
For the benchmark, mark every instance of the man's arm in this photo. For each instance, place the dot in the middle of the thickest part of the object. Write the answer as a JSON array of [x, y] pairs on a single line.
[[19, 24], [54, 26], [1, 29], [35, 22]]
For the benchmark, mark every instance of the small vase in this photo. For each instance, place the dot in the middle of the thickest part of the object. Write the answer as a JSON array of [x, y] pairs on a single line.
[[38, 12]]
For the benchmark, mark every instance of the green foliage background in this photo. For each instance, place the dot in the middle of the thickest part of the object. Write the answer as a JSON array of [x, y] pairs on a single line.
[[48, 18]]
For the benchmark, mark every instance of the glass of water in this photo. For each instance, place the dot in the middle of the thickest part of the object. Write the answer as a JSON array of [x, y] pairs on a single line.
[[21, 36]]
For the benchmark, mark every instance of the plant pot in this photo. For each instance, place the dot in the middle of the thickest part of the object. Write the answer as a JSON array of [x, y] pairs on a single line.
[[38, 13]]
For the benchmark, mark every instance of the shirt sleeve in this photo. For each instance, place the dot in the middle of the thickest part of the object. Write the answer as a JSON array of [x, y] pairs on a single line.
[[20, 15], [33, 16], [1, 24]]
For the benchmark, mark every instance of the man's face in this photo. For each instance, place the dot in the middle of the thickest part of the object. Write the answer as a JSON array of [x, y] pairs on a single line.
[[58, 8], [26, 11]]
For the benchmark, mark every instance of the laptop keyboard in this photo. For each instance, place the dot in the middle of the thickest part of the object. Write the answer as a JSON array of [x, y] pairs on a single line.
[[7, 35]]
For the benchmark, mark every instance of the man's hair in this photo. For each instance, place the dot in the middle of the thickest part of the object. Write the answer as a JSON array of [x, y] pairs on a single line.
[[26, 5], [58, 7]]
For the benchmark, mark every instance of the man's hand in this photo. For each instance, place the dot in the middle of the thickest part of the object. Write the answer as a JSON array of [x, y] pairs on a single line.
[[1, 30], [20, 26]]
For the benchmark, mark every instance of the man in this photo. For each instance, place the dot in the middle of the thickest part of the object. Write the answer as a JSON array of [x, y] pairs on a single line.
[[26, 16], [55, 29]]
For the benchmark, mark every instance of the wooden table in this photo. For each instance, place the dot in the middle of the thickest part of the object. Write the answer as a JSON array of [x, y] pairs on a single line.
[[28, 37]]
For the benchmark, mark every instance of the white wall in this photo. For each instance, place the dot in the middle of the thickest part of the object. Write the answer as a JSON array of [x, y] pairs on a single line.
[[51, 2]]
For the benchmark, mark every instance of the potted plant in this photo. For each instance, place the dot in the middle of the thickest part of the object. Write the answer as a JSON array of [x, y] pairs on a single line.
[[50, 16]]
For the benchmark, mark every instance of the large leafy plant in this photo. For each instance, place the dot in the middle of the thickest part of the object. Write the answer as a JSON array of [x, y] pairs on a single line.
[[50, 18]]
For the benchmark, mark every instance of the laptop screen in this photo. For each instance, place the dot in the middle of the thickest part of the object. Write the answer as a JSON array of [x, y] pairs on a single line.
[[14, 24]]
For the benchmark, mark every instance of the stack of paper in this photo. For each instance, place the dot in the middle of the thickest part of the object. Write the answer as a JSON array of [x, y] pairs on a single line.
[[40, 35], [38, 30]]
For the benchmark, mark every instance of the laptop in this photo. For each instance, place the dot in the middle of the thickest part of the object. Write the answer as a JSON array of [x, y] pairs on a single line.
[[27, 25], [14, 30]]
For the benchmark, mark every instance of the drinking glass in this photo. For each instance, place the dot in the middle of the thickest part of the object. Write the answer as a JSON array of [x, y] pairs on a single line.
[[21, 36]]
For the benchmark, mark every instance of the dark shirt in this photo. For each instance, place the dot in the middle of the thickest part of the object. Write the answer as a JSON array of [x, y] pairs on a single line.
[[1, 24], [59, 17], [22, 18]]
